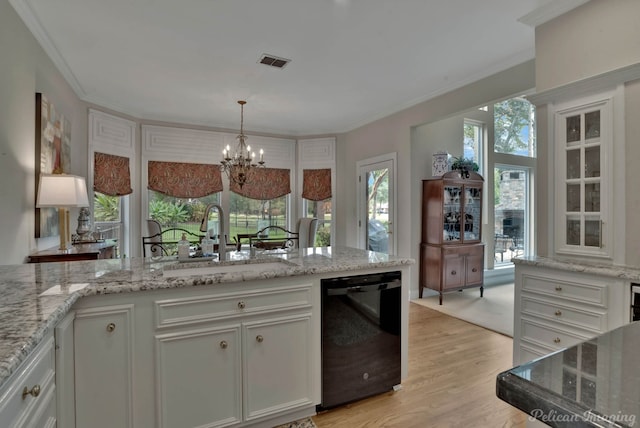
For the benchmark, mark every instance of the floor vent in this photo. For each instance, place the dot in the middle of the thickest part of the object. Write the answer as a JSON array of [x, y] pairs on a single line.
[[274, 61]]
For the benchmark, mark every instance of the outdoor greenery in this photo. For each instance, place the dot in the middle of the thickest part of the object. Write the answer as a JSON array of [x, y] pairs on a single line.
[[107, 208], [511, 118], [514, 129], [378, 190]]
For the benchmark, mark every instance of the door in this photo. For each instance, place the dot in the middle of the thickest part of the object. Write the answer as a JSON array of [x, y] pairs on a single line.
[[277, 372], [376, 207], [103, 338]]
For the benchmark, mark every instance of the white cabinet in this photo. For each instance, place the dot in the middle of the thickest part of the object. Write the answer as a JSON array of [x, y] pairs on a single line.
[[555, 309], [103, 367], [235, 357], [199, 380], [29, 397], [586, 185], [276, 365]]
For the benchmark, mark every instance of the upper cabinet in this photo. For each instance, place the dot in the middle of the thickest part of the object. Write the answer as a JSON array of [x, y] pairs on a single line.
[[583, 182], [453, 207]]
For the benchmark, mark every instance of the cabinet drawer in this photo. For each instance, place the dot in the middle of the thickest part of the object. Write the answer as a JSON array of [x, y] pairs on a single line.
[[463, 250], [37, 374], [594, 294], [549, 336], [595, 321], [192, 310]]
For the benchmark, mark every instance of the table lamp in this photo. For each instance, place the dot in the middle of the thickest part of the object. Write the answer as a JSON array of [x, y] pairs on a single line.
[[62, 191]]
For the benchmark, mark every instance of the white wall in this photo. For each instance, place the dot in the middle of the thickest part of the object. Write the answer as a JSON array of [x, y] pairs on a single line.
[[24, 70], [394, 134], [599, 36]]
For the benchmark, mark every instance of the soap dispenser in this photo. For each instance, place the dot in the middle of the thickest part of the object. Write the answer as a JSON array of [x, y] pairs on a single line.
[[207, 245], [183, 247]]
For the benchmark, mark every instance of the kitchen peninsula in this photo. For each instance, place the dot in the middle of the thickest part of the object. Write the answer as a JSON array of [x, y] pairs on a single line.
[[165, 348]]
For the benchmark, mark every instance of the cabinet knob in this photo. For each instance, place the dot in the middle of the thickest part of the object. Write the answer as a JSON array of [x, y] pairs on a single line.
[[556, 340], [453, 272], [474, 270], [110, 327], [558, 288], [224, 344], [241, 304], [558, 313], [35, 391], [259, 338]]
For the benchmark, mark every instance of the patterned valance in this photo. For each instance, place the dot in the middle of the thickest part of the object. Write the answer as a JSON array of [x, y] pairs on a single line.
[[316, 184], [264, 184], [184, 180], [111, 175]]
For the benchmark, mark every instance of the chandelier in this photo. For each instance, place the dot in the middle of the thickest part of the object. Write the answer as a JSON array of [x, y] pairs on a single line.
[[238, 164]]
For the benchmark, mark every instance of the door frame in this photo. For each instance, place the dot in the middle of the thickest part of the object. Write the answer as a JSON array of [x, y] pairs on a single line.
[[362, 167]]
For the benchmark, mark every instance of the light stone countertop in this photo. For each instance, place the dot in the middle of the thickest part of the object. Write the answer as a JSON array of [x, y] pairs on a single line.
[[584, 265], [35, 297]]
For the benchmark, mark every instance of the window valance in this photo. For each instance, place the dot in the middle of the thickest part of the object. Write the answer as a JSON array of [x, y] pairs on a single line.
[[111, 174], [184, 180], [316, 184], [265, 184]]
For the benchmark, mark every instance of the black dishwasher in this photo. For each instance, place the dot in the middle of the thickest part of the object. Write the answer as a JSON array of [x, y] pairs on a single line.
[[361, 326]]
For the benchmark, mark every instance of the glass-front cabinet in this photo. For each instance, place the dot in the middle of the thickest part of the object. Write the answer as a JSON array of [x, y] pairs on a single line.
[[583, 138], [461, 212], [451, 248]]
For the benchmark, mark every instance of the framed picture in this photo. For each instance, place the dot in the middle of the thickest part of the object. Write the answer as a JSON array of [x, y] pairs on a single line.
[[53, 154]]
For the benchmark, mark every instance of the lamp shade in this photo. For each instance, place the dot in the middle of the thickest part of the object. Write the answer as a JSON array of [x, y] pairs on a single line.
[[62, 190]]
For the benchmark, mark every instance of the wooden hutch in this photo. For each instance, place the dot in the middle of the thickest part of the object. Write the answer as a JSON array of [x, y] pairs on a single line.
[[451, 248]]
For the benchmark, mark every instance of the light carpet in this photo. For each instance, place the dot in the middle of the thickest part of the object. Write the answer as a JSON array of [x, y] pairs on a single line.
[[494, 311], [302, 423]]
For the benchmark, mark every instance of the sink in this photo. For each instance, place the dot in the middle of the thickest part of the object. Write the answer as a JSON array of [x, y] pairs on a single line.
[[213, 269]]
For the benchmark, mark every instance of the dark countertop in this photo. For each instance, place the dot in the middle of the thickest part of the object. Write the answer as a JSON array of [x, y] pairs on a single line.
[[593, 384]]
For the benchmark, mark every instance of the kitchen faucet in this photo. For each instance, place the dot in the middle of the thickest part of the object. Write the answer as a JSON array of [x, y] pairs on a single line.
[[222, 241]]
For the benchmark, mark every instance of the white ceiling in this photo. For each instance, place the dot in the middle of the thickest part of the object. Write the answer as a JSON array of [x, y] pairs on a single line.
[[353, 61]]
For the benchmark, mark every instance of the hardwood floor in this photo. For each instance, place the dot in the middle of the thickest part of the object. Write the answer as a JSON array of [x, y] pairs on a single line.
[[452, 375]]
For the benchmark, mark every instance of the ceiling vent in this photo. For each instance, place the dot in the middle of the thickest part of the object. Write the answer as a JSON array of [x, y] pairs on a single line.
[[274, 61]]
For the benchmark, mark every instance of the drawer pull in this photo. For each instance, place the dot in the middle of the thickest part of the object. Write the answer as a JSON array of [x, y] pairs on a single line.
[[224, 344], [35, 391], [558, 313], [111, 327], [558, 288], [453, 272], [474, 270], [556, 340], [241, 304], [259, 338]]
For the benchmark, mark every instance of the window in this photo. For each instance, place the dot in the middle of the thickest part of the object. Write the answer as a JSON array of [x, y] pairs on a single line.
[[322, 211], [107, 215], [473, 142], [184, 213], [247, 216], [514, 127]]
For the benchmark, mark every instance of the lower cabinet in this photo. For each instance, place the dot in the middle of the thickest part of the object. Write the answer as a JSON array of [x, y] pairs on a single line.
[[232, 355], [103, 354], [199, 377], [28, 399], [446, 268], [276, 365]]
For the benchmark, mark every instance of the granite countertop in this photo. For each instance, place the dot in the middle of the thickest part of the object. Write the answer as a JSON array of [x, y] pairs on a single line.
[[593, 384], [586, 266], [35, 297]]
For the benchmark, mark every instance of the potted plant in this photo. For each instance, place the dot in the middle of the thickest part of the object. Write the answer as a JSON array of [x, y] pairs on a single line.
[[464, 165]]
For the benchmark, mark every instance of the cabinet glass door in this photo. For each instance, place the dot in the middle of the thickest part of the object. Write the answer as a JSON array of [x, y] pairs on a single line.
[[452, 213], [472, 213], [582, 179]]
